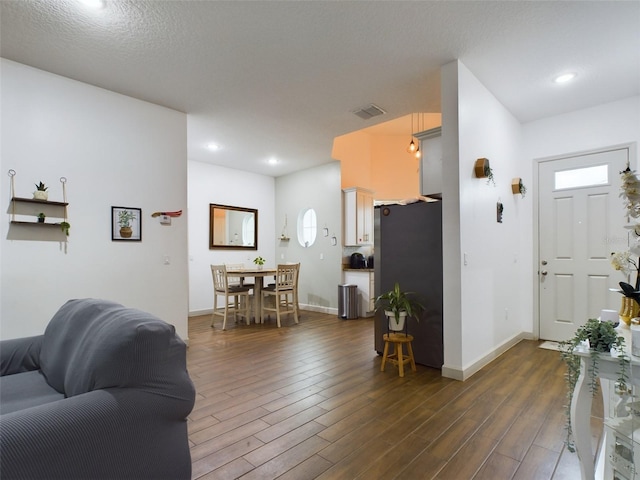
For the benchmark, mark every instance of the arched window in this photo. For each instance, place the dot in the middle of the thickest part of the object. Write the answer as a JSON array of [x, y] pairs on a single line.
[[307, 227]]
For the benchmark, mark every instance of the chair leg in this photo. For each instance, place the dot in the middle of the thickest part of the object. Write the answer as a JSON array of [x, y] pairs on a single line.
[[278, 299], [226, 310], [400, 358], [384, 355], [215, 306], [294, 304], [413, 362]]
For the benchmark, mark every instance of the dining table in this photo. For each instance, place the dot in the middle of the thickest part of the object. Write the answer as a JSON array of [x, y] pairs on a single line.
[[258, 274]]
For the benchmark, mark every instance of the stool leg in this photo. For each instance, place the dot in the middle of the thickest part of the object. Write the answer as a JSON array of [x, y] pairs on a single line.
[[400, 359], [413, 362], [384, 356]]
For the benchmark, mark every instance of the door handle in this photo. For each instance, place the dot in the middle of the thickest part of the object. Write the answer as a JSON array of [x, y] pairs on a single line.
[[544, 262], [544, 272]]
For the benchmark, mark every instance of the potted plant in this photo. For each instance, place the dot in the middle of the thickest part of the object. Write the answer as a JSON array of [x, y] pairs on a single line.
[[482, 169], [65, 226], [124, 220], [399, 305], [259, 261], [518, 187], [41, 192], [41, 217], [602, 337]]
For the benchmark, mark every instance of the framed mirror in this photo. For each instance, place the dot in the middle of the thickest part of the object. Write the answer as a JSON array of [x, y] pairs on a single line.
[[233, 227]]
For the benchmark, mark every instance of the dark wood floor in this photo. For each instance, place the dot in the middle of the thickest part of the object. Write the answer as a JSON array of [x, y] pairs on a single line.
[[308, 401]]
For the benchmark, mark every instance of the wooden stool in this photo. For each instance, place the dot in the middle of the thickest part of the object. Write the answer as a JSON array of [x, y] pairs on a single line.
[[398, 339]]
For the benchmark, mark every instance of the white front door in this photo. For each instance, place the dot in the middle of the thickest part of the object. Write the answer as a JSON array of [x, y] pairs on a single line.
[[581, 222]]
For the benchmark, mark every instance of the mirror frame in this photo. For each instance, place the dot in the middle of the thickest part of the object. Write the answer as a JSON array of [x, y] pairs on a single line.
[[213, 206]]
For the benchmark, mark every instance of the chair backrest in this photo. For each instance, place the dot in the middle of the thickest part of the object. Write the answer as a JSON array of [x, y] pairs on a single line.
[[219, 273], [234, 266], [287, 276]]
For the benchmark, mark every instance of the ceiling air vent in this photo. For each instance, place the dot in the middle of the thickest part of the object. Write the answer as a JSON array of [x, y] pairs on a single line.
[[369, 111]]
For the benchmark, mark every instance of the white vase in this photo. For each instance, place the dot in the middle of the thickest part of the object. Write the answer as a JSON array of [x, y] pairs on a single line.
[[396, 326], [41, 195]]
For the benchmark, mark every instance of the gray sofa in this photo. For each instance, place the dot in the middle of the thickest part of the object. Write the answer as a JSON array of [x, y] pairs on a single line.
[[104, 393]]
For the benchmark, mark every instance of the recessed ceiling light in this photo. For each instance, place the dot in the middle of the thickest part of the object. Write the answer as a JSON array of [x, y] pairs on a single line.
[[564, 78], [96, 4], [213, 147], [272, 161]]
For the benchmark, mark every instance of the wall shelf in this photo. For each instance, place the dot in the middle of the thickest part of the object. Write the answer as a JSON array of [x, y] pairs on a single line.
[[38, 224], [42, 202]]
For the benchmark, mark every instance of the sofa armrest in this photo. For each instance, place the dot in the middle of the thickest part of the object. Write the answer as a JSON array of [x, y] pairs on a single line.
[[20, 355], [103, 434]]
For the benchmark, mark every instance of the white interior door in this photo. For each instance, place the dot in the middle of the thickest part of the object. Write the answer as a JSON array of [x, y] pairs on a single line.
[[581, 222]]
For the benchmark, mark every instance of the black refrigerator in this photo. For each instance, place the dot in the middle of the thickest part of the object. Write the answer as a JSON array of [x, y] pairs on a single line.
[[408, 250]]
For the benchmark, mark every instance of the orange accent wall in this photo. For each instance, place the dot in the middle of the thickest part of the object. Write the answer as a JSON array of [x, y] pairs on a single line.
[[380, 162]]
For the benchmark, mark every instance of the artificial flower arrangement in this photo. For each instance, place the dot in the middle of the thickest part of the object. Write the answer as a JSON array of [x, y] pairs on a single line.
[[628, 262]]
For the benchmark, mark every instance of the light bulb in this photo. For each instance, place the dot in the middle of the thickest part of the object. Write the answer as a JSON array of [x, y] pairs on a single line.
[[412, 147], [418, 153]]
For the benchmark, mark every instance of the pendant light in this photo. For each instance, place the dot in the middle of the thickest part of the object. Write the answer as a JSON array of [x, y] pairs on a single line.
[[412, 146], [418, 153]]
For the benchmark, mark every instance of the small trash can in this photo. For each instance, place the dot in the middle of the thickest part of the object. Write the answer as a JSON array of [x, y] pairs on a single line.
[[348, 301]]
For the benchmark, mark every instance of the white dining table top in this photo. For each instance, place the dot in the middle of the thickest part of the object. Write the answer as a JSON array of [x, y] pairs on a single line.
[[253, 272]]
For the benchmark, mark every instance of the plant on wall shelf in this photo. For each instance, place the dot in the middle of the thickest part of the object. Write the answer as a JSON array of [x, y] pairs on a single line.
[[64, 226], [41, 192], [259, 261], [602, 339], [41, 217]]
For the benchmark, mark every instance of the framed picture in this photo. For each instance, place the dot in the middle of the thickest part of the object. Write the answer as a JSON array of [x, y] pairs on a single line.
[[126, 224]]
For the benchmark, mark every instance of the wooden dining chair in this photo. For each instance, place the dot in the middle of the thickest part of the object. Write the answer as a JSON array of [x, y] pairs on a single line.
[[236, 297], [238, 280], [284, 292]]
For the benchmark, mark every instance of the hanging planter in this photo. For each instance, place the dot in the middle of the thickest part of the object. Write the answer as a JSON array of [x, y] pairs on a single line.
[[518, 187], [482, 169]]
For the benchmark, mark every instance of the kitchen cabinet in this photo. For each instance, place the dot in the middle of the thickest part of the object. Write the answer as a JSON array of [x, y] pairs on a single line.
[[357, 216], [431, 162], [364, 280]]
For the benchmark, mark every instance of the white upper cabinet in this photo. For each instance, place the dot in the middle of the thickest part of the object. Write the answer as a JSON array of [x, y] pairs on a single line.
[[358, 216]]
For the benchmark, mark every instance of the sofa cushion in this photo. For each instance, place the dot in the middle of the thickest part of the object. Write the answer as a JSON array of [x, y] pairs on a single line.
[[25, 390], [91, 344]]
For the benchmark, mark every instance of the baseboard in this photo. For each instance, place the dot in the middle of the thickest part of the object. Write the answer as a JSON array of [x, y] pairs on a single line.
[[466, 373], [196, 313], [319, 308]]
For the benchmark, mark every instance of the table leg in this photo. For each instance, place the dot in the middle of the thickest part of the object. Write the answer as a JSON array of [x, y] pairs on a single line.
[[257, 299], [580, 422]]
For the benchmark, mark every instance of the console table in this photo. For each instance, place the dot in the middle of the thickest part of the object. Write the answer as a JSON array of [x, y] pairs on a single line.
[[608, 368]]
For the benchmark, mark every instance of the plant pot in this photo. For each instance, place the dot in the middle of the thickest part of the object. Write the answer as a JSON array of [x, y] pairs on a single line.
[[628, 310], [40, 220], [126, 232], [260, 267], [396, 326], [480, 168], [40, 195]]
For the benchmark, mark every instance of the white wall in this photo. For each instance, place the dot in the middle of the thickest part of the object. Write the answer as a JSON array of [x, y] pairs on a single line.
[[593, 128], [114, 151], [225, 186], [485, 309], [320, 264]]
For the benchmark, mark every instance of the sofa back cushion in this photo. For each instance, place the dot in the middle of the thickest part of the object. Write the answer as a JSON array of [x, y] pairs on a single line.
[[92, 344]]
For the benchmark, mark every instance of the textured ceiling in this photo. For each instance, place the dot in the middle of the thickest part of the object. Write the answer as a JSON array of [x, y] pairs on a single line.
[[280, 79]]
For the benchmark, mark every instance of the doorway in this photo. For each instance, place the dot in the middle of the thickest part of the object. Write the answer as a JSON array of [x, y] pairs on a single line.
[[581, 222]]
